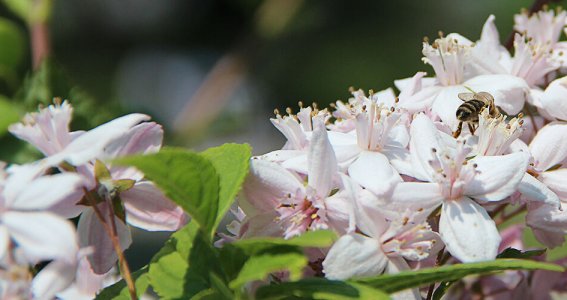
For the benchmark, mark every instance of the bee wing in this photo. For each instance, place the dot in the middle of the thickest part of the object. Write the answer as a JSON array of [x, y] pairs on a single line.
[[466, 96], [484, 97]]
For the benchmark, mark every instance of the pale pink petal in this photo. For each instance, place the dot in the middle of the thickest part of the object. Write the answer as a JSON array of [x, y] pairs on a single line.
[[338, 210], [354, 255], [373, 171], [534, 190], [297, 164], [18, 179], [548, 238], [417, 195], [469, 234], [149, 209], [4, 241], [497, 176], [397, 265], [554, 99], [509, 92], [281, 155], [54, 278], [424, 138], [549, 146], [268, 184], [47, 130], [263, 224], [322, 163], [557, 181], [41, 235], [400, 159], [91, 144], [46, 191], [446, 103], [143, 138], [91, 233], [530, 130]]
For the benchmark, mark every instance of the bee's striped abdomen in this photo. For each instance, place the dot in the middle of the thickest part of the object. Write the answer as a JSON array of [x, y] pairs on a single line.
[[469, 110]]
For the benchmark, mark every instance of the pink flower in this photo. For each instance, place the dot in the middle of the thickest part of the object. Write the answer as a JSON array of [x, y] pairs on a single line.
[[453, 181], [25, 196], [274, 191]]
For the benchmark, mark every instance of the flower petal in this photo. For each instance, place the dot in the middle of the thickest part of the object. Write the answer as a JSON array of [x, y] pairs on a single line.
[[424, 137], [469, 234], [417, 195], [535, 190], [509, 92], [373, 171], [149, 209], [354, 255], [91, 233], [268, 183], [321, 161], [446, 103], [4, 241], [91, 144], [549, 146], [556, 181], [54, 278], [554, 99], [47, 191], [42, 235], [142, 138], [498, 176]]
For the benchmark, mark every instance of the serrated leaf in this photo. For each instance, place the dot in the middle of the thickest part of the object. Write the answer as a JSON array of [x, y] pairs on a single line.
[[119, 290], [319, 239], [231, 163], [185, 266], [260, 266], [515, 253], [10, 114], [318, 288], [391, 283], [187, 178]]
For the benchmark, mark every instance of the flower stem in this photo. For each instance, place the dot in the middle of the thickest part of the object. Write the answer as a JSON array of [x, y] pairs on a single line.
[[112, 233]]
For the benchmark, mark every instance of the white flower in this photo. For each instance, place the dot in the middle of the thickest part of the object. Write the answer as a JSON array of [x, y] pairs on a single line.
[[453, 181]]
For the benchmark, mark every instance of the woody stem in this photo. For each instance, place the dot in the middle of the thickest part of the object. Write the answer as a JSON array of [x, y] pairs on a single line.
[[112, 233]]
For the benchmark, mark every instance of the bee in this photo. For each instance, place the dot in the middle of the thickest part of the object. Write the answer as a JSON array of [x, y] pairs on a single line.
[[473, 104]]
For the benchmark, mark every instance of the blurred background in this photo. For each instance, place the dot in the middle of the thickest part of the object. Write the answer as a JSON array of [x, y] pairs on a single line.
[[213, 71]]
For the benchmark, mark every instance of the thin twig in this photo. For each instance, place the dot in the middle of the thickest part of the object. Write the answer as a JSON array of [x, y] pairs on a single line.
[[111, 231]]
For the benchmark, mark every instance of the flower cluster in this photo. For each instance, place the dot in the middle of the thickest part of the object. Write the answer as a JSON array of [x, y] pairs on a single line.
[[386, 173], [76, 180]]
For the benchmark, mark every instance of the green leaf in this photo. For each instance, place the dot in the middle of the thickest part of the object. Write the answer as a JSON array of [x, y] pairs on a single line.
[[319, 239], [185, 177], [260, 266], [13, 43], [10, 114], [318, 288], [515, 253], [186, 265], [231, 163], [391, 283], [119, 290]]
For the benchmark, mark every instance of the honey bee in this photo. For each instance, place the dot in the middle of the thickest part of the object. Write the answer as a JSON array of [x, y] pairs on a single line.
[[473, 104]]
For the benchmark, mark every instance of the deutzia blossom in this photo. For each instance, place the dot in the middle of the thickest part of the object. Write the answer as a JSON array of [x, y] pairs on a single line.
[[273, 189], [25, 196], [453, 181], [450, 57]]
